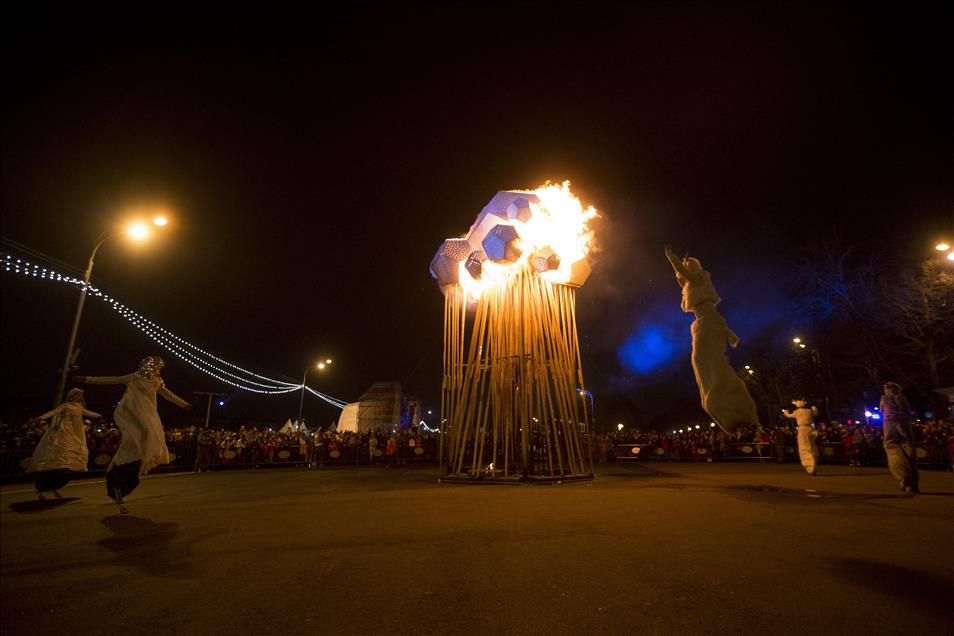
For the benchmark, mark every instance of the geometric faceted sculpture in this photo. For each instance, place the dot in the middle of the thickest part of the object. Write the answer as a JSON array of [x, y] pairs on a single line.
[[512, 407], [519, 209], [544, 260], [501, 204], [445, 266], [500, 244], [475, 264], [579, 272], [514, 206]]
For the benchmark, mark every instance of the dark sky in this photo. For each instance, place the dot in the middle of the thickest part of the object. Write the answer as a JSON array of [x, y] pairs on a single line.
[[313, 164]]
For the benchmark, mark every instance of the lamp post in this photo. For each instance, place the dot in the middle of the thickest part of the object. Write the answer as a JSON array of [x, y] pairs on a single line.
[[301, 402], [817, 369], [137, 231]]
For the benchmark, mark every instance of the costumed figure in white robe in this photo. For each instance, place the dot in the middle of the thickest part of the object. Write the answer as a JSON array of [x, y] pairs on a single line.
[[62, 449], [804, 416], [899, 441], [723, 394], [143, 443]]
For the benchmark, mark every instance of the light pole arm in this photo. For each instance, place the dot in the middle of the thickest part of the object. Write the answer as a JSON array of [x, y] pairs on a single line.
[[67, 361], [301, 403]]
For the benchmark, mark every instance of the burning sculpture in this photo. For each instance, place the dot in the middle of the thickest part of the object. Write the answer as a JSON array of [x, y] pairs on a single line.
[[512, 404]]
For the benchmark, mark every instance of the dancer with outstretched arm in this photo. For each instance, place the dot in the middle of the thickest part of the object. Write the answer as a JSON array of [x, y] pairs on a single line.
[[62, 449], [143, 444]]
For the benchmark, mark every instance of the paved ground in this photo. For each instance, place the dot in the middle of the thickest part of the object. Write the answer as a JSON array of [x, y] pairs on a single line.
[[687, 549]]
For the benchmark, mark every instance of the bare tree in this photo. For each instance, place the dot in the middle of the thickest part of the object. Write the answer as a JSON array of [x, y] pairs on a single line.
[[921, 310]]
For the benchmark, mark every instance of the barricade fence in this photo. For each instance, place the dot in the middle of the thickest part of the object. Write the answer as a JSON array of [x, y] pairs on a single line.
[[930, 455], [14, 463]]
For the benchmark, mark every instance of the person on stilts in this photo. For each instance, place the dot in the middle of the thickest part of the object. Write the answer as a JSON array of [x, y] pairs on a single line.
[[804, 417], [143, 443], [62, 449]]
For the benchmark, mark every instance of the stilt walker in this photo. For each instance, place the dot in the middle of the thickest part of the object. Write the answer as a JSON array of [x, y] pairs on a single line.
[[804, 416], [143, 444], [62, 449]]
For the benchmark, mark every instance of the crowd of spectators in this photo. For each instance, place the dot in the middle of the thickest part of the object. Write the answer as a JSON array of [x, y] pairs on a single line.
[[858, 444], [248, 446]]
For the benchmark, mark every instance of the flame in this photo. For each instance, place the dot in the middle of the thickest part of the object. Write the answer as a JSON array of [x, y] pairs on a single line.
[[559, 222]]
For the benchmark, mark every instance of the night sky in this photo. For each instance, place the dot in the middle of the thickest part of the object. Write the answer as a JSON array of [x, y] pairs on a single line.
[[313, 164]]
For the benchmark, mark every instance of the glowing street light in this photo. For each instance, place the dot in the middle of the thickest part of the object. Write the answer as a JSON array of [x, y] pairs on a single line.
[[797, 340], [137, 231], [160, 221], [942, 247], [304, 376], [619, 427]]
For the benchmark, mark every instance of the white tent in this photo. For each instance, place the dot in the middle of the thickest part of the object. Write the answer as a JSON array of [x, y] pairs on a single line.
[[348, 420], [288, 428]]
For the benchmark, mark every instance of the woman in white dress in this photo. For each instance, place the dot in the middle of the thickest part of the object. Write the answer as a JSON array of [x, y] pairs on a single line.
[[143, 444], [62, 449]]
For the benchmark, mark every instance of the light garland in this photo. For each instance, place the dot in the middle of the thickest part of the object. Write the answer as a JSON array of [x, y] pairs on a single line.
[[184, 350]]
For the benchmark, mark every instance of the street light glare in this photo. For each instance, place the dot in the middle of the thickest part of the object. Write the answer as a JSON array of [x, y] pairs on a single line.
[[802, 345], [138, 231], [942, 247], [160, 221], [796, 340], [328, 361], [321, 365], [950, 256]]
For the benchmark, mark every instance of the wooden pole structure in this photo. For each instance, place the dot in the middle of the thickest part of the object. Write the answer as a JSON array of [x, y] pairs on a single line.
[[510, 400]]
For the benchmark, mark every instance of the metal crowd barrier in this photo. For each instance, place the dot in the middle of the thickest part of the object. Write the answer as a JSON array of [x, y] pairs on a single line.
[[929, 455], [13, 463]]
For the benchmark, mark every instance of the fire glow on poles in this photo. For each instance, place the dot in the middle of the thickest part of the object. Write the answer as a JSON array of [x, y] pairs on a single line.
[[512, 404]]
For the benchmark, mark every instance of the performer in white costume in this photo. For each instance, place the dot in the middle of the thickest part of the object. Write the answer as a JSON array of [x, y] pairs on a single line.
[[899, 438], [143, 444], [723, 394], [804, 417], [62, 449]]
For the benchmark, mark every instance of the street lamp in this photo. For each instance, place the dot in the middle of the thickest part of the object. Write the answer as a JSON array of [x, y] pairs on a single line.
[[137, 231], [319, 366]]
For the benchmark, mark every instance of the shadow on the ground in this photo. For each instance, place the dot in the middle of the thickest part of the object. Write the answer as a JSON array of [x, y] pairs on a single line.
[[825, 475], [39, 505], [152, 547], [908, 587], [635, 471]]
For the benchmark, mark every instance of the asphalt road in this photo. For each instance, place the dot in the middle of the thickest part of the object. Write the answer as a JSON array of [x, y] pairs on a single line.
[[685, 549]]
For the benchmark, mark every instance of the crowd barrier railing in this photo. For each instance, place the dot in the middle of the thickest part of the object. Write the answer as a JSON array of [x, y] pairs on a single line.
[[14, 463]]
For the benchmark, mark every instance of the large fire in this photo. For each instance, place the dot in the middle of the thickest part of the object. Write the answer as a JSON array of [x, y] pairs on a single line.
[[546, 229]]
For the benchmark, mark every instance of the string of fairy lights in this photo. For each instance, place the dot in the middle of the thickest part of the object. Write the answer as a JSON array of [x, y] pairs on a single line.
[[195, 356]]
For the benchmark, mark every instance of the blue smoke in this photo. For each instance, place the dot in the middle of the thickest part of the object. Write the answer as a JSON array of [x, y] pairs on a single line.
[[756, 309], [659, 339]]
